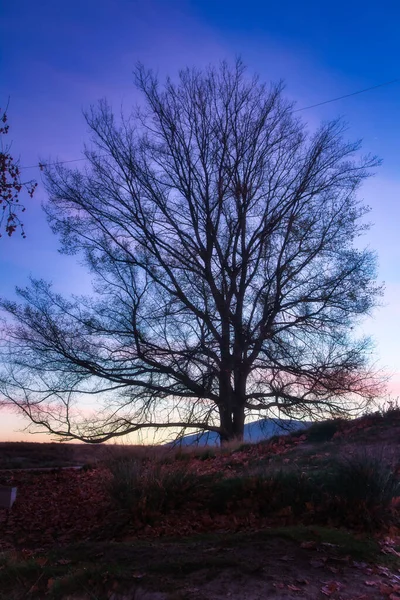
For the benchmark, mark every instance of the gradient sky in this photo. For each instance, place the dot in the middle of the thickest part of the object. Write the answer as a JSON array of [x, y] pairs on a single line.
[[57, 58]]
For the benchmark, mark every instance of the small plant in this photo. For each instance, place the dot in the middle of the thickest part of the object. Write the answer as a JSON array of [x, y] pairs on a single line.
[[243, 447], [323, 431], [292, 488], [207, 454], [391, 410], [362, 488], [183, 455], [148, 489], [227, 493]]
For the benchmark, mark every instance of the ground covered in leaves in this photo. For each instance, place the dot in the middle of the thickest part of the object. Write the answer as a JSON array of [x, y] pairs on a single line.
[[268, 520]]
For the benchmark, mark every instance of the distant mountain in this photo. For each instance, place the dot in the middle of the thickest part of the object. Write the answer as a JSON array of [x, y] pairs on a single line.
[[253, 432]]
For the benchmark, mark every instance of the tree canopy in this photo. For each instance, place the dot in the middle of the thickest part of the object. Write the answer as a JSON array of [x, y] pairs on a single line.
[[221, 238]]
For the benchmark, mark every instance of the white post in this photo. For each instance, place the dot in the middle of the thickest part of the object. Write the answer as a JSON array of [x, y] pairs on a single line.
[[8, 495]]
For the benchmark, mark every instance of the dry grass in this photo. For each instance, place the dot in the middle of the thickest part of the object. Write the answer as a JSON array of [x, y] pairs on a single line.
[[33, 455]]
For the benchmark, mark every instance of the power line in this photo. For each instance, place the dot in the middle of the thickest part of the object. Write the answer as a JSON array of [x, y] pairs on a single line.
[[373, 87]]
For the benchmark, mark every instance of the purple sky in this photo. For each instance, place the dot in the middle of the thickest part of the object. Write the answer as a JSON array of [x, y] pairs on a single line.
[[59, 57]]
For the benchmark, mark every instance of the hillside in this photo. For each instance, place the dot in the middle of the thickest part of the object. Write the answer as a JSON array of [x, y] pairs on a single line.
[[310, 515]]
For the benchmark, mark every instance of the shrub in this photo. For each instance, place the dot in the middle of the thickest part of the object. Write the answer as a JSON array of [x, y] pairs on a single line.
[[362, 488], [286, 488], [391, 410], [207, 454], [323, 431], [226, 494], [263, 492], [356, 492], [148, 489]]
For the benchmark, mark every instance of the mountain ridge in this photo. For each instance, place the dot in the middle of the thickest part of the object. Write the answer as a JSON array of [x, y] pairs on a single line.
[[254, 431]]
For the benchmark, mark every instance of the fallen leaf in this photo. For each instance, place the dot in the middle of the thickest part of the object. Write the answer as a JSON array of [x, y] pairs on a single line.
[[50, 583], [317, 562], [386, 589], [333, 569], [330, 588], [308, 545], [390, 550]]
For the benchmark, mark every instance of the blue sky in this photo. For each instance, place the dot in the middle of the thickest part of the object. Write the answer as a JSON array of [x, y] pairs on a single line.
[[59, 57]]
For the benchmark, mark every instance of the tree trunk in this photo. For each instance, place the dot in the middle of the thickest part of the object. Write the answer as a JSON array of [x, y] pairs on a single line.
[[239, 402], [232, 424], [238, 423], [232, 419], [231, 409], [226, 424], [225, 407]]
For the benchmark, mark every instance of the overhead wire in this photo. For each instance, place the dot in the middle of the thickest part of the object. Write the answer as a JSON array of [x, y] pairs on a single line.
[[373, 87]]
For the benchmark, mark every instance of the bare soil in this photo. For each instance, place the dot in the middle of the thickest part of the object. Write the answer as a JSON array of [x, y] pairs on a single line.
[[281, 565], [253, 568]]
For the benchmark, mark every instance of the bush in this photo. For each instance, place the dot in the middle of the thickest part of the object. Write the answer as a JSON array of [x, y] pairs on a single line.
[[356, 492], [263, 493], [391, 410], [362, 488], [207, 454], [146, 490], [292, 488], [323, 431], [226, 494]]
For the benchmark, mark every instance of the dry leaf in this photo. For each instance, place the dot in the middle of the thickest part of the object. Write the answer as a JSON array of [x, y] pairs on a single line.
[[333, 569], [308, 545], [386, 589], [50, 583], [330, 588], [293, 588], [279, 585]]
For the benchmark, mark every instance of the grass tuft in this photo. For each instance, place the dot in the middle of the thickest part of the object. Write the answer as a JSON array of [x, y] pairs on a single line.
[[147, 489]]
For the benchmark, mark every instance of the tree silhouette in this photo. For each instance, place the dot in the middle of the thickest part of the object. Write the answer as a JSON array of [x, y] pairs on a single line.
[[220, 235]]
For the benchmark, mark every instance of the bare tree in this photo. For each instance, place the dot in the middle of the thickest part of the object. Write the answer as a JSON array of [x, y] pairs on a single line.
[[220, 235]]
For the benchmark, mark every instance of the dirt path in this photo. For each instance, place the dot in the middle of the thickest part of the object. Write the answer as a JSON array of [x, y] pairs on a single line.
[[252, 566]]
